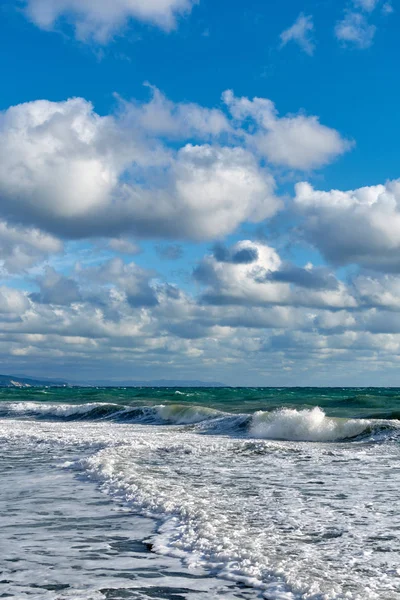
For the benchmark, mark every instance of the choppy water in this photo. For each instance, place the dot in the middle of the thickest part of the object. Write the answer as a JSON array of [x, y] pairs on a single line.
[[284, 494]]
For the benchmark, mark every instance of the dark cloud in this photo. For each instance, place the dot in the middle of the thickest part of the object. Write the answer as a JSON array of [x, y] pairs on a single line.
[[56, 289], [318, 278], [205, 273], [241, 256]]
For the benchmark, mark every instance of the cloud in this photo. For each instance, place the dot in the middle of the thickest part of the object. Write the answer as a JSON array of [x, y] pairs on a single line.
[[162, 117], [157, 169], [232, 281], [298, 142], [116, 315], [56, 289], [353, 227], [124, 246], [169, 251], [387, 8], [300, 33], [129, 279], [99, 20], [66, 170], [378, 291], [12, 302], [265, 280], [244, 254], [367, 5], [23, 247], [319, 278], [355, 29]]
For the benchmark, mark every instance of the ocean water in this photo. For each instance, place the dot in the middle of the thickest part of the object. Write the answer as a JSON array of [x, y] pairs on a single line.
[[282, 494]]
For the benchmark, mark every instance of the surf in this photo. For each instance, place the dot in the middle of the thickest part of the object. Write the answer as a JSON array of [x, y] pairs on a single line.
[[286, 424]]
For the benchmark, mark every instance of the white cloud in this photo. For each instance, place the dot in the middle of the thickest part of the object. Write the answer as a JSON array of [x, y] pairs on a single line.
[[378, 292], [21, 248], [54, 159], [358, 226], [134, 282], [355, 29], [100, 19], [116, 315], [162, 117], [297, 142], [387, 8], [12, 301], [254, 283], [69, 171], [217, 188], [300, 33], [367, 5], [239, 282], [124, 246]]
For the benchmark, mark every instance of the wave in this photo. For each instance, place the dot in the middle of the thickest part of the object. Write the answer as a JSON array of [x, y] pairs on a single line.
[[305, 425], [286, 424], [177, 414]]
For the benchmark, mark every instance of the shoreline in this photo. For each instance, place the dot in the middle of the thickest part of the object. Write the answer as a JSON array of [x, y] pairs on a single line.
[[68, 540]]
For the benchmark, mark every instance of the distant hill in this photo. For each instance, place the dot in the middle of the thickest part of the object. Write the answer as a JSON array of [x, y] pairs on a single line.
[[156, 383], [14, 381]]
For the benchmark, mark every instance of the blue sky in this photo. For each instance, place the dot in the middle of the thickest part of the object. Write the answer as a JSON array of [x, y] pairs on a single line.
[[203, 190]]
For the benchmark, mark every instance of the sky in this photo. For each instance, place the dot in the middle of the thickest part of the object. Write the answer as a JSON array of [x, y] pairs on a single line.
[[192, 189]]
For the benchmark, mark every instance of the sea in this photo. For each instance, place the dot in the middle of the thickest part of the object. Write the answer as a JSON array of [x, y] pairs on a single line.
[[200, 493]]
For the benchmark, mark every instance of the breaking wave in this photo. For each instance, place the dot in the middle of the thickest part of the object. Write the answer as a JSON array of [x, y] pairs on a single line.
[[305, 425], [308, 425]]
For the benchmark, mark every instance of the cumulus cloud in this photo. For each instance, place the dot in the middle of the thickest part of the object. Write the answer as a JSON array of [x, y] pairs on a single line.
[[129, 279], [13, 302], [101, 19], [232, 281], [22, 247], [157, 169], [242, 254], [167, 171], [67, 170], [355, 29], [294, 141], [116, 313], [319, 278], [266, 280], [56, 288], [124, 246], [387, 8], [358, 226], [367, 5], [182, 120], [300, 33], [378, 291]]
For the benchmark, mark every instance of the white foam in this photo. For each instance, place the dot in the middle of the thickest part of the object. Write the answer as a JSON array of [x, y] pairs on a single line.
[[297, 520], [48, 410], [304, 425]]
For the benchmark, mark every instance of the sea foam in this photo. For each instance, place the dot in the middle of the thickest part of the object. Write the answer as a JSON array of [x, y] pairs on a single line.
[[308, 425], [304, 425]]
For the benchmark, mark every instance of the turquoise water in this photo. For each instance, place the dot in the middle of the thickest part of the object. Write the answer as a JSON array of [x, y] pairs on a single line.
[[191, 493], [336, 402]]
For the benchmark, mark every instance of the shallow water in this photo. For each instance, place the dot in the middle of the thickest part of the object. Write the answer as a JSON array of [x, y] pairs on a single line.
[[61, 538], [283, 501]]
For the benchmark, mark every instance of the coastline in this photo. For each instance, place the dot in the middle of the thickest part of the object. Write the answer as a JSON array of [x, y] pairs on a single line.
[[66, 539]]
